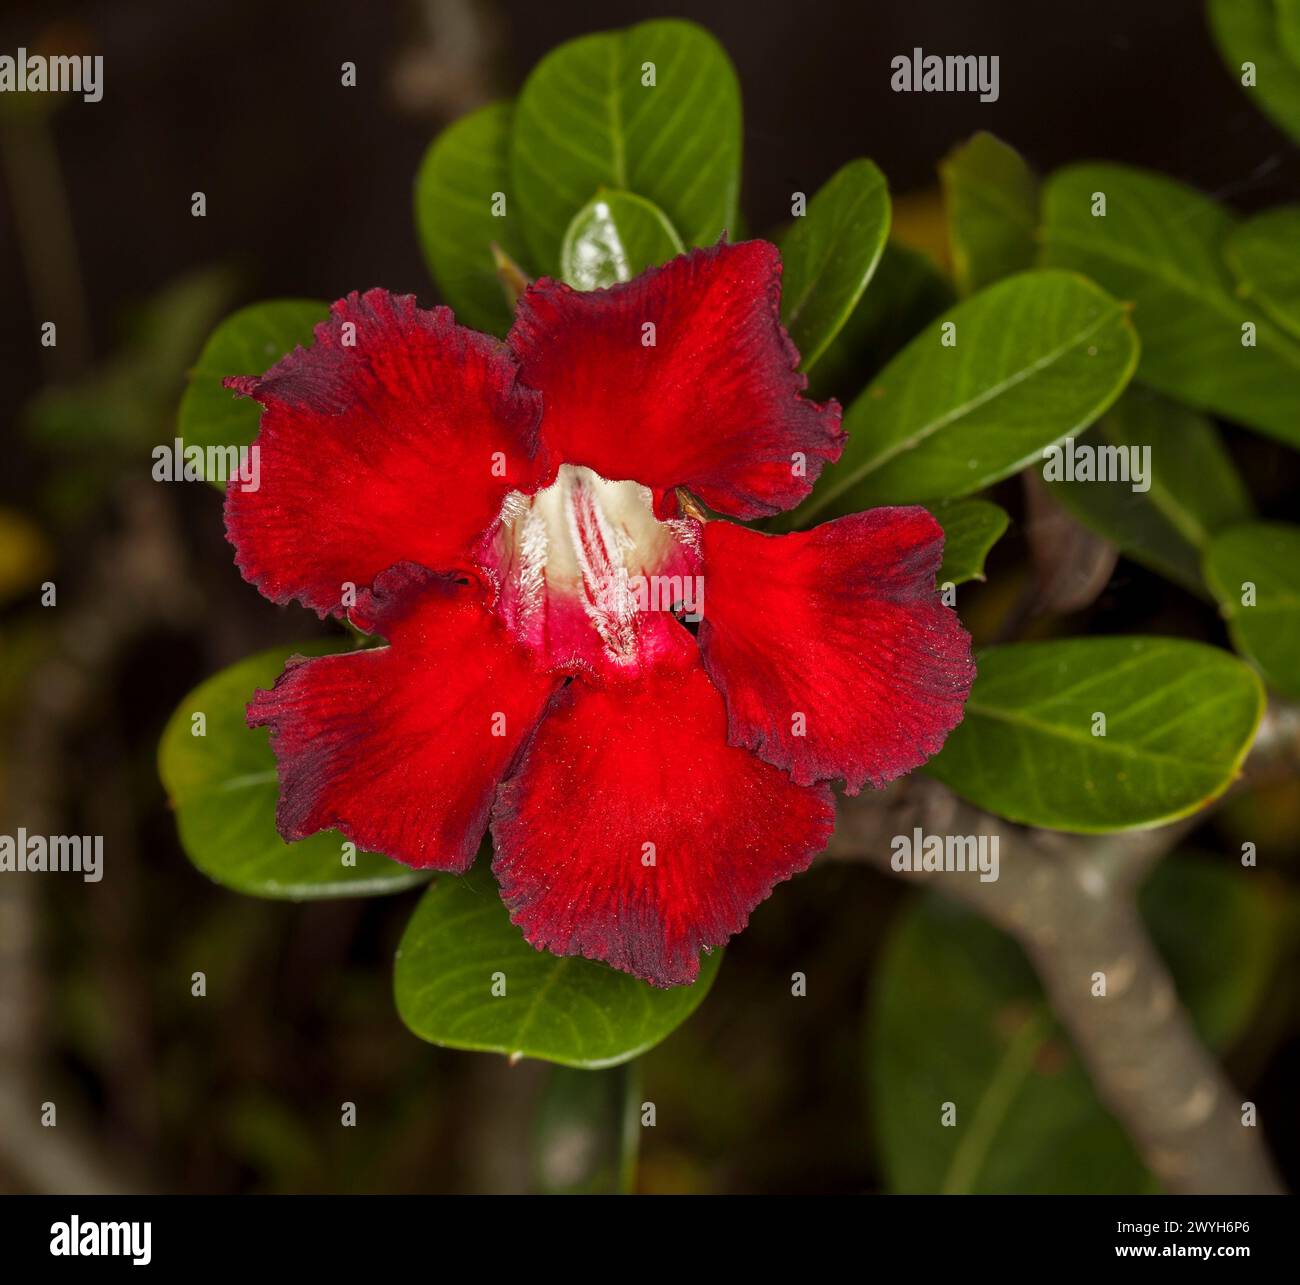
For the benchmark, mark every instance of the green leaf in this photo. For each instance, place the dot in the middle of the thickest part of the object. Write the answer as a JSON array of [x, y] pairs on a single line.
[[970, 529], [457, 186], [1179, 718], [1249, 31], [1222, 935], [1195, 489], [572, 1011], [223, 788], [1288, 29], [249, 342], [1160, 244], [991, 197], [1267, 556], [907, 292], [958, 1016], [1264, 255], [586, 119], [612, 238], [1037, 356], [830, 253]]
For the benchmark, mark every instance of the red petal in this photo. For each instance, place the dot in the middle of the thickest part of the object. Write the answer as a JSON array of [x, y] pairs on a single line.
[[842, 625], [395, 746], [398, 447], [615, 768], [713, 405]]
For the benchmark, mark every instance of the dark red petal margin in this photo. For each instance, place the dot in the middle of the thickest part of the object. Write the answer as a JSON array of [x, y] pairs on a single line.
[[393, 438], [680, 377], [634, 834], [831, 646]]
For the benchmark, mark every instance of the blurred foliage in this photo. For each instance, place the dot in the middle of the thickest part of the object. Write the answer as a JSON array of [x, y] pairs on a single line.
[[958, 1017]]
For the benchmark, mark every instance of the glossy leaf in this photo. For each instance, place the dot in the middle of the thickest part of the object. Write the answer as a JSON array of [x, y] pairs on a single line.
[[1264, 255], [1194, 488], [830, 253], [1261, 562], [991, 197], [222, 785], [588, 118], [1160, 245], [612, 238], [460, 943], [959, 1016], [1248, 31], [1179, 718], [464, 203], [970, 529], [907, 292], [248, 342], [1036, 357]]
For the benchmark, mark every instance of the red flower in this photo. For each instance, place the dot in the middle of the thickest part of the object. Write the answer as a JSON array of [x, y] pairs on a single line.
[[517, 520]]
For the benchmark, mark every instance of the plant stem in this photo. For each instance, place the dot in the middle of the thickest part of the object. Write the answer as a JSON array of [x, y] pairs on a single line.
[[1071, 902]]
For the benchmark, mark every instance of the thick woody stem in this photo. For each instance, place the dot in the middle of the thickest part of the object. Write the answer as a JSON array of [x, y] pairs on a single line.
[[1070, 901]]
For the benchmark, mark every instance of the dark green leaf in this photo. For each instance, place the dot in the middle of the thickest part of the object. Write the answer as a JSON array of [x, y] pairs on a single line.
[[1264, 556], [1160, 244], [991, 197], [970, 529], [1264, 254], [1248, 31], [907, 292], [586, 119], [1194, 486], [830, 253], [249, 342], [464, 172], [612, 238], [223, 788], [958, 1016], [460, 942], [1222, 935], [1179, 718], [1037, 356]]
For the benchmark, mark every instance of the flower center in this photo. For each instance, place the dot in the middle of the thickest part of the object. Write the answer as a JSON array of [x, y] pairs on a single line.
[[587, 576]]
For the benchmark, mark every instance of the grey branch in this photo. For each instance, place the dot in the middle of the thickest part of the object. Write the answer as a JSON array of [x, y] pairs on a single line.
[[1070, 901]]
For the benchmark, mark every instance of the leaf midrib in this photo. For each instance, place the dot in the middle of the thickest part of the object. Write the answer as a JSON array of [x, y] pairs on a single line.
[[1100, 744], [1213, 297], [990, 394]]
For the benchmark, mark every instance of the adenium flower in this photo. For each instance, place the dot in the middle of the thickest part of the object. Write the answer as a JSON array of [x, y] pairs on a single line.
[[525, 523]]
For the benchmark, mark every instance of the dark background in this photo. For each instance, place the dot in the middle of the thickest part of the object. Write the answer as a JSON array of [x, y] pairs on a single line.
[[308, 190], [309, 184]]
